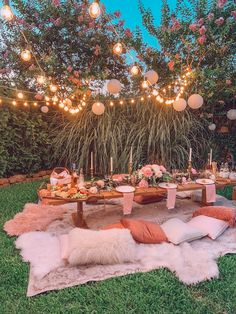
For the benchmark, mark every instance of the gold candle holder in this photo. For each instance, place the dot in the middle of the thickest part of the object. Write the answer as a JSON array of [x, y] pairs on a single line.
[[91, 173], [189, 170], [111, 174], [130, 168]]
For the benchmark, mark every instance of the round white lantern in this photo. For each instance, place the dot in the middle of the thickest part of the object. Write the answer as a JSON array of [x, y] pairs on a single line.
[[98, 108], [44, 109], [180, 104], [151, 76], [212, 127], [195, 101], [231, 114], [114, 86]]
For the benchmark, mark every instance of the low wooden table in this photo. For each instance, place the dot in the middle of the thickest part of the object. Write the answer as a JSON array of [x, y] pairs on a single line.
[[150, 191]]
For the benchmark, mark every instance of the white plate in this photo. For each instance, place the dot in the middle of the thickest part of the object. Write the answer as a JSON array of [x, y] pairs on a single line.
[[166, 185], [125, 189], [205, 181]]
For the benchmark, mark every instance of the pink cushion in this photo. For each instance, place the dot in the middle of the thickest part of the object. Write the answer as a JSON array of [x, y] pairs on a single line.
[[64, 246]]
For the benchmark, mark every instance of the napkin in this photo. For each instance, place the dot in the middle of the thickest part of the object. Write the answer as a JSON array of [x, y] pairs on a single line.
[[127, 203], [171, 197], [210, 193]]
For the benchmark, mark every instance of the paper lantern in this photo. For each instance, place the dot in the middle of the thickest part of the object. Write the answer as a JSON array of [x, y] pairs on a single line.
[[98, 108], [195, 101], [151, 76], [118, 48], [94, 10], [44, 109], [6, 13], [180, 104], [25, 55], [231, 114], [134, 70], [212, 127], [114, 86]]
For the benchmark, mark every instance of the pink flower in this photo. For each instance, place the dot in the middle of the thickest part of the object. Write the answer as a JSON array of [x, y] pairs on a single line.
[[57, 22], [91, 24], [121, 23], [228, 82], [177, 56], [80, 18], [202, 30], [6, 54], [143, 184], [100, 183], [163, 169], [194, 171], [117, 14], [220, 21], [171, 65], [70, 69], [76, 73], [128, 33], [184, 180], [147, 171], [200, 22], [93, 190], [193, 27], [233, 13], [221, 3], [56, 3], [201, 39], [210, 16], [176, 25]]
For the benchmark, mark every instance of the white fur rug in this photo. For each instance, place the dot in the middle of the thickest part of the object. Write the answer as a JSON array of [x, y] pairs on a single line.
[[190, 262]]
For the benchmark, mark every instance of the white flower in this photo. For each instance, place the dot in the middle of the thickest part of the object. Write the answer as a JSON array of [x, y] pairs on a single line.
[[156, 169], [159, 174]]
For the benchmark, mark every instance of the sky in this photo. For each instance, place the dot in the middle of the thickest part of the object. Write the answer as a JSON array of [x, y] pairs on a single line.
[[130, 13]]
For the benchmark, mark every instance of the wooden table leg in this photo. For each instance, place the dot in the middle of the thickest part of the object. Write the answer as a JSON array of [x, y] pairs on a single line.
[[204, 201], [78, 217]]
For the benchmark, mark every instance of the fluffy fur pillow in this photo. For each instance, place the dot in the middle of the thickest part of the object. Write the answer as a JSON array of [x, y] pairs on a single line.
[[219, 212], [115, 246], [145, 231]]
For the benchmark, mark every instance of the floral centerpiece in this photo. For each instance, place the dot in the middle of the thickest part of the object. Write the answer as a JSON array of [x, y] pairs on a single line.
[[152, 175]]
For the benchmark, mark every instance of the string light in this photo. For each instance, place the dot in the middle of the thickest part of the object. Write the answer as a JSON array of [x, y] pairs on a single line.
[[132, 101], [61, 105], [155, 92], [111, 103], [94, 9], [6, 13], [118, 49], [25, 104], [121, 102], [66, 108], [55, 98], [20, 95], [53, 88], [83, 103], [145, 83], [14, 103], [41, 79], [47, 98], [134, 69], [25, 55], [35, 104], [142, 98]]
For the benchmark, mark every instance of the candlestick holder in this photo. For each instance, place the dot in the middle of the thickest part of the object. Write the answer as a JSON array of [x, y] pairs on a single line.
[[189, 170], [111, 174], [130, 168], [91, 174]]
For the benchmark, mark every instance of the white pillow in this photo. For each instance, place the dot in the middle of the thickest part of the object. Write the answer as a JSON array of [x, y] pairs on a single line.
[[113, 246], [214, 227], [178, 231]]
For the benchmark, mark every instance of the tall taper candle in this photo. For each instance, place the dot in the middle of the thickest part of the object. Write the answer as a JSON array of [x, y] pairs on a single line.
[[190, 154], [131, 155], [91, 165], [111, 164], [211, 156]]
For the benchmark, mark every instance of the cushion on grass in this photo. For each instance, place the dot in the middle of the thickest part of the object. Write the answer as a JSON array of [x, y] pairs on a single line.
[[115, 246], [117, 225], [178, 231], [212, 226], [220, 212], [148, 199], [64, 246], [145, 231]]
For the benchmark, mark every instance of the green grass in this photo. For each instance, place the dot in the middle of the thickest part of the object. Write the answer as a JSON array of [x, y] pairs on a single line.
[[154, 292]]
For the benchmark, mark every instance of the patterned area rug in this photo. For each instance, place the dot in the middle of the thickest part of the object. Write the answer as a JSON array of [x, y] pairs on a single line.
[[191, 262]]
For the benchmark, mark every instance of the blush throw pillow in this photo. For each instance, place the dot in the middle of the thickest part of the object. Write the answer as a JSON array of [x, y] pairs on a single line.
[[214, 227], [117, 225], [178, 231], [115, 246], [219, 212], [145, 231]]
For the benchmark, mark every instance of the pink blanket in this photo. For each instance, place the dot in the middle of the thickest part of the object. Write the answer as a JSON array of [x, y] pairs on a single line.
[[171, 198], [210, 193], [127, 203]]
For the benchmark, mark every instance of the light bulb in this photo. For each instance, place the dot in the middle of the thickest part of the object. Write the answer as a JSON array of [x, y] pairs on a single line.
[[118, 49], [132, 101], [66, 108], [20, 95], [14, 103], [145, 83], [35, 104], [142, 99], [41, 79], [121, 102], [55, 98], [25, 104], [53, 88], [47, 98], [155, 92], [25, 55], [6, 13], [94, 10], [111, 103], [83, 103], [61, 105], [134, 70]]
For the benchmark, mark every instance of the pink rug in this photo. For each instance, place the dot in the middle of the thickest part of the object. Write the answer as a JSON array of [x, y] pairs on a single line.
[[34, 217]]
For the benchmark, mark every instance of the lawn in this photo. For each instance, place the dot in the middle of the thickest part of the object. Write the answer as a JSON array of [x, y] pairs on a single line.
[[154, 292]]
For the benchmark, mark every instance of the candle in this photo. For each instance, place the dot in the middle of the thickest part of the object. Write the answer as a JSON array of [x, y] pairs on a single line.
[[211, 156], [131, 155], [190, 154], [91, 160], [111, 164]]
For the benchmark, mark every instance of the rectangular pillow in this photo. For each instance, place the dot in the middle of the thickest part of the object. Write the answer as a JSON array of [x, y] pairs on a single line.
[[214, 227], [219, 212], [145, 231], [178, 231]]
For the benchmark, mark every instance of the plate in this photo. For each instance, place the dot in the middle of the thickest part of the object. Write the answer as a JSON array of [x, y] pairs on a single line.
[[125, 189], [166, 185], [205, 181]]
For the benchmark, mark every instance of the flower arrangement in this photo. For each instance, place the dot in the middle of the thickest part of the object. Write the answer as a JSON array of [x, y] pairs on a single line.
[[152, 174]]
